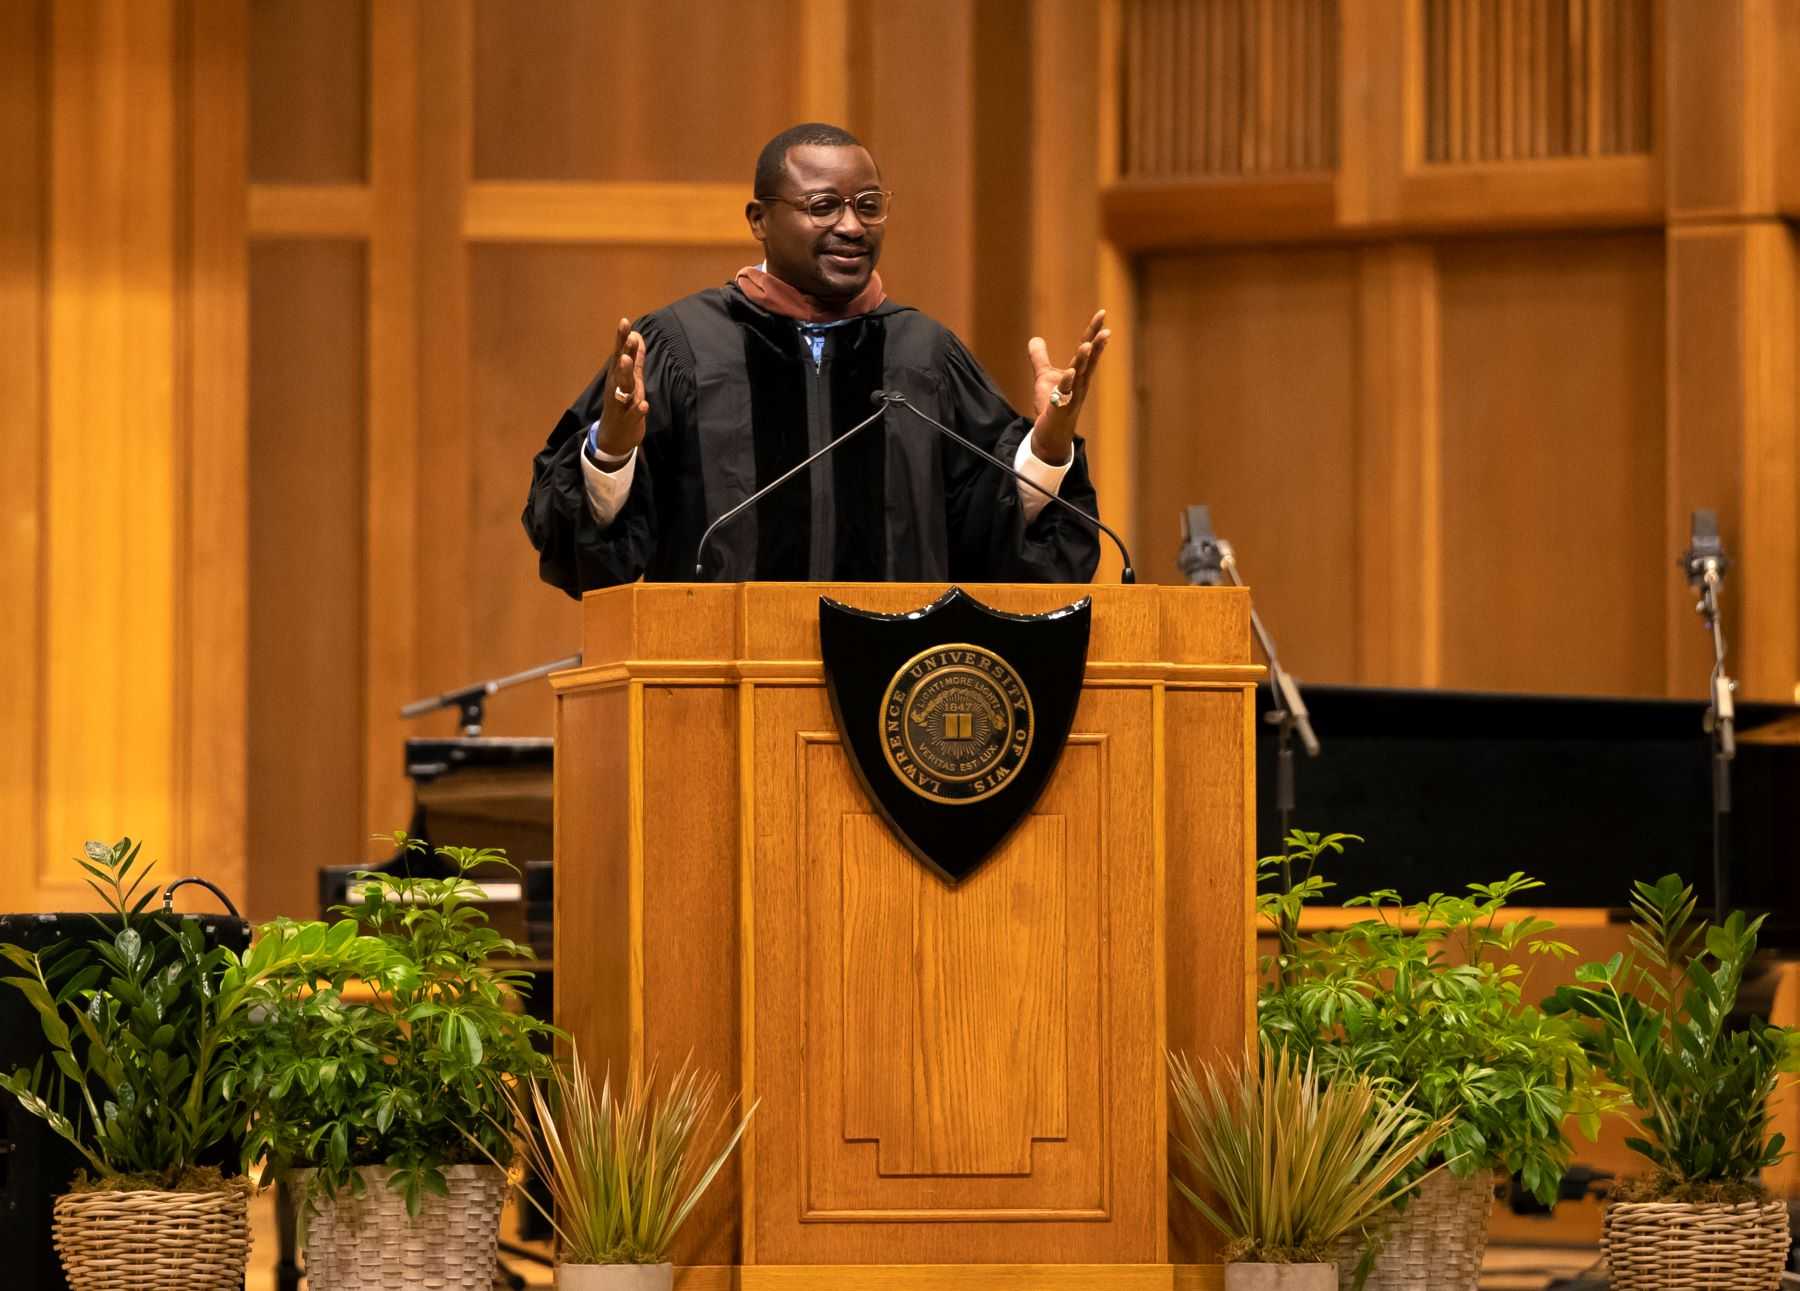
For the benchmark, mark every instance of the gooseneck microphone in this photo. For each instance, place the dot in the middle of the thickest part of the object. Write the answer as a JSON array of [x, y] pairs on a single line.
[[765, 490], [893, 398]]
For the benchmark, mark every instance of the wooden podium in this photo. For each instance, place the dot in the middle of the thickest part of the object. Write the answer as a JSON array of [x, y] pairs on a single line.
[[960, 1087]]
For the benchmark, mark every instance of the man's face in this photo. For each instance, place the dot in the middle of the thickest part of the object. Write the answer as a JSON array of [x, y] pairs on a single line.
[[831, 263]]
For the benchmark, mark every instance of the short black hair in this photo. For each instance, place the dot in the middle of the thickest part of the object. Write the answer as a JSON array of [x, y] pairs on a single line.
[[771, 163]]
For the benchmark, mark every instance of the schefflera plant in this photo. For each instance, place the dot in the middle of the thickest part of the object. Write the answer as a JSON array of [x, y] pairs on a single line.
[[400, 1054], [1430, 997]]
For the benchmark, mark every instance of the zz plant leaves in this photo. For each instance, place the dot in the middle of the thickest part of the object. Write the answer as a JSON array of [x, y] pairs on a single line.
[[1659, 1020], [136, 1022]]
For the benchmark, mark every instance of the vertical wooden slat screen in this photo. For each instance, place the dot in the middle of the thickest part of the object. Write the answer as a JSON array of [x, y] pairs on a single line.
[[1512, 80], [1229, 87]]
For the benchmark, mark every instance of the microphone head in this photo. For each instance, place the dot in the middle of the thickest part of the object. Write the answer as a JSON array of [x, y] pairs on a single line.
[[1706, 549], [1201, 556]]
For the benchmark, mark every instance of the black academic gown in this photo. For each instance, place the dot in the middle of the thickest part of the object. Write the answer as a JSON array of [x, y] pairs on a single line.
[[735, 400]]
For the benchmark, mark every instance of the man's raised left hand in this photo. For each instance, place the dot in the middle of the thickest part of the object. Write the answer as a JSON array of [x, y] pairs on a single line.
[[1053, 434]]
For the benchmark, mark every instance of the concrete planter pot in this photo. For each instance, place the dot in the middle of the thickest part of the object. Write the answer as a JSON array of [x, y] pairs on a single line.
[[1281, 1277], [615, 1277]]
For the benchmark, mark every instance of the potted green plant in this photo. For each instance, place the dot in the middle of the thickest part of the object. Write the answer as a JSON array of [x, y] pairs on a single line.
[[1659, 1020], [1296, 1163], [379, 1085], [623, 1168], [1429, 997], [137, 1020]]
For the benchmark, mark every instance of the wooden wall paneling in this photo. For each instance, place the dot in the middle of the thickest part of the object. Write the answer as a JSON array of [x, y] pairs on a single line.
[[1004, 163], [1064, 285], [1228, 88], [1398, 468], [214, 687], [1551, 357], [111, 521], [1785, 50], [308, 460], [823, 91], [24, 89], [1513, 113], [443, 634], [1598, 192], [622, 213], [1110, 108], [1731, 330], [1712, 170], [1731, 398], [1771, 534], [1157, 215], [541, 322], [395, 520], [928, 259], [565, 90], [1113, 434], [310, 84], [1381, 116], [1250, 397], [310, 211]]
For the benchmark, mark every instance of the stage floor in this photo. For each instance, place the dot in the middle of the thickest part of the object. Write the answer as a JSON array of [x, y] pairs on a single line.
[[1508, 1268]]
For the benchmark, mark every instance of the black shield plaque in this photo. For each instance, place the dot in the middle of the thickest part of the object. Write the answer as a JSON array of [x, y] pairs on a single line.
[[954, 715]]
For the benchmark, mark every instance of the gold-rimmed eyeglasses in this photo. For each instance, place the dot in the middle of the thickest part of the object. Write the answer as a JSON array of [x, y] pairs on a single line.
[[826, 209]]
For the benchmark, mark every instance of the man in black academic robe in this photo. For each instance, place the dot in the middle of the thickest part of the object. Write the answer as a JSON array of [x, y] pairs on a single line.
[[718, 394]]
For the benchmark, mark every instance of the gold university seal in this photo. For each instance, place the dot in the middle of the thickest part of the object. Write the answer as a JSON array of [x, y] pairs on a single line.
[[956, 723]]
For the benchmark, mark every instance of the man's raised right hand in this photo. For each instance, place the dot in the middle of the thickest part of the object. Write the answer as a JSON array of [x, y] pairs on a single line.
[[622, 419]]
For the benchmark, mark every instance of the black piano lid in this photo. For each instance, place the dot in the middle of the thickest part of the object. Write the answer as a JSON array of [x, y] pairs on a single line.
[[426, 759], [1585, 793]]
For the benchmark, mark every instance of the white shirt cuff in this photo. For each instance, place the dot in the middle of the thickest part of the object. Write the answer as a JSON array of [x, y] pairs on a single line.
[[1038, 471], [607, 490]]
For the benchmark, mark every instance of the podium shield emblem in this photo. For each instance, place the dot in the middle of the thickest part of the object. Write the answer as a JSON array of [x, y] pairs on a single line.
[[954, 716]]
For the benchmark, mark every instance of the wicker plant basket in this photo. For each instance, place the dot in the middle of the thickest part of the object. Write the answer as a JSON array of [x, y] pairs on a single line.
[[1436, 1244], [154, 1241], [370, 1243], [1683, 1246]]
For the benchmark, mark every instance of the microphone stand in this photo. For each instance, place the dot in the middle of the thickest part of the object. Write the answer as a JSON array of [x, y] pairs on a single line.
[[783, 478], [1127, 575], [1720, 723], [1209, 561], [472, 700]]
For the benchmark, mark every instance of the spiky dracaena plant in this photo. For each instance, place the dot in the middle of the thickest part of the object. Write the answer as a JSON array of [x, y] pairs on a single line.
[[1295, 1161], [624, 1167]]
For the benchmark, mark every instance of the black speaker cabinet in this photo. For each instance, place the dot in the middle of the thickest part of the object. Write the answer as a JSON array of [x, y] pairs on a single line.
[[36, 1165]]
